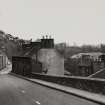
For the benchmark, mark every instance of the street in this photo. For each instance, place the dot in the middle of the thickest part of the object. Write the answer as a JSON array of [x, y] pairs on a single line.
[[17, 91]]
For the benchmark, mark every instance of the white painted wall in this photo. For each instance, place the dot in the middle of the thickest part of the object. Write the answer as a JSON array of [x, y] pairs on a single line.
[[52, 61]]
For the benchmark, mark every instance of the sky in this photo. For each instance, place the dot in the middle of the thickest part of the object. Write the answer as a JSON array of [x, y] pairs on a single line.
[[71, 21]]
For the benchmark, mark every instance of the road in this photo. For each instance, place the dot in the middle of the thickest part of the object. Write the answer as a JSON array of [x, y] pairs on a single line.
[[17, 91]]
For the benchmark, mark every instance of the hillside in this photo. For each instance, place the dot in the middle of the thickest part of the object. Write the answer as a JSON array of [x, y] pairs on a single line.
[[9, 45], [11, 49]]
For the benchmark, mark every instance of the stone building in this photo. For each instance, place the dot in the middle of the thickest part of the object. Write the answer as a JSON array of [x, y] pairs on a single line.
[[44, 52]]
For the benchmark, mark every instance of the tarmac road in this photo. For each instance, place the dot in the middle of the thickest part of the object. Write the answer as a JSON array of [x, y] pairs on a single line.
[[17, 91]]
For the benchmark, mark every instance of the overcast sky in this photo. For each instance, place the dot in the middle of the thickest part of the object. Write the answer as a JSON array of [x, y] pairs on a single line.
[[71, 21]]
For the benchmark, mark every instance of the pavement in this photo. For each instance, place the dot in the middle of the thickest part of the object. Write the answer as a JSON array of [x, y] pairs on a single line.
[[18, 91], [7, 69]]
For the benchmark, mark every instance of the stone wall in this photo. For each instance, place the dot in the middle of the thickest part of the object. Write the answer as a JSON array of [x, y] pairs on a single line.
[[52, 61]]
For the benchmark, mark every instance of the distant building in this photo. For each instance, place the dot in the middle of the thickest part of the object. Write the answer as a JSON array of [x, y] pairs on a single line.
[[40, 43], [88, 63], [93, 55], [27, 41], [47, 43], [43, 51]]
